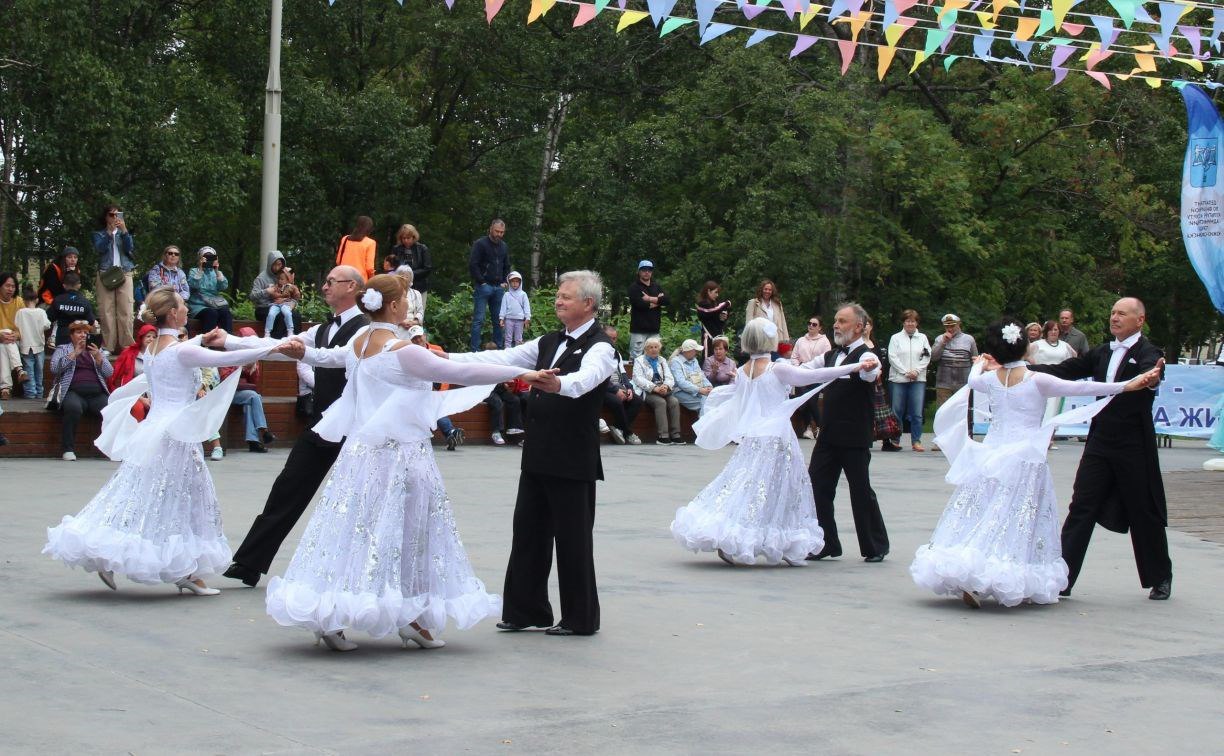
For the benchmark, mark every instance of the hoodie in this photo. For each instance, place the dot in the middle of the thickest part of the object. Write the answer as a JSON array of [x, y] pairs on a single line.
[[259, 295]]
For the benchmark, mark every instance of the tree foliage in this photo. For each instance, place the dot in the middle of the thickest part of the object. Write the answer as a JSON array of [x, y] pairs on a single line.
[[975, 189]]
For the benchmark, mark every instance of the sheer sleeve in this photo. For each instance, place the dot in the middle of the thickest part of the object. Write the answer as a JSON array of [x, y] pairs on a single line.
[[1049, 386], [422, 364], [978, 381], [793, 375], [195, 356]]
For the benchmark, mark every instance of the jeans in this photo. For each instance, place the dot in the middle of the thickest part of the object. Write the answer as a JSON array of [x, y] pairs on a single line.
[[907, 400], [33, 364], [690, 400], [486, 297], [283, 310], [495, 404], [252, 411], [446, 426]]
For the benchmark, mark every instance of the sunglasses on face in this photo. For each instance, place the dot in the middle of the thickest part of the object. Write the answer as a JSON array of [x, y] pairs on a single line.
[[813, 325]]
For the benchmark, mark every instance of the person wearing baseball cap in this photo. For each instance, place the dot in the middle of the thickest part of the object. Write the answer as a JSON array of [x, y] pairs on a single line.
[[646, 301], [692, 386], [954, 350]]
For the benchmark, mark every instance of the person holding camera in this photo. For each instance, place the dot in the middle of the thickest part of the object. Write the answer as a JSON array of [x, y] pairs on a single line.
[[113, 288], [206, 304], [80, 373]]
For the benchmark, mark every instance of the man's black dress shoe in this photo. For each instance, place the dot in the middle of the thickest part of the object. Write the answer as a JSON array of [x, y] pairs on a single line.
[[256, 447], [266, 436], [560, 630], [1065, 593], [824, 554], [1161, 591], [503, 625], [245, 574], [875, 558]]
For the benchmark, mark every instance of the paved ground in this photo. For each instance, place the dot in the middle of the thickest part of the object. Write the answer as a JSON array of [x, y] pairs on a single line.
[[695, 656]]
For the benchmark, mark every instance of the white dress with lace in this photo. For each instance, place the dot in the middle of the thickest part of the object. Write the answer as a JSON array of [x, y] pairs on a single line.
[[999, 534], [381, 549], [157, 519], [759, 509]]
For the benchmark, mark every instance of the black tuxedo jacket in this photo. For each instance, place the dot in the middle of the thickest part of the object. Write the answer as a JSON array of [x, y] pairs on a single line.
[[1124, 428], [847, 416], [563, 432]]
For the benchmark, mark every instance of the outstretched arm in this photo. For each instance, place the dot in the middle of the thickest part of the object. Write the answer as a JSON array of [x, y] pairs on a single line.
[[793, 375], [195, 356], [421, 363]]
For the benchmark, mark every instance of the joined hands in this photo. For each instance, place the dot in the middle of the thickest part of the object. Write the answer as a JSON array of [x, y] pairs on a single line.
[[544, 380]]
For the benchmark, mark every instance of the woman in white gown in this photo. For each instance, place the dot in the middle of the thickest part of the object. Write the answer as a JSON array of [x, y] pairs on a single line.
[[999, 535], [759, 509], [157, 519], [381, 552]]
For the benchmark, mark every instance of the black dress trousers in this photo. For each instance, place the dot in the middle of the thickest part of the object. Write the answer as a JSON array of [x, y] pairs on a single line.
[[828, 463]]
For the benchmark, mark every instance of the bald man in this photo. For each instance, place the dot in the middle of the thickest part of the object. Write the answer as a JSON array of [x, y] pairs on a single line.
[[311, 457], [1118, 483]]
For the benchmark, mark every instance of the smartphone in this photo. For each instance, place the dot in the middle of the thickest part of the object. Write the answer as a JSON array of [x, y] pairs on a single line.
[[95, 339], [119, 215]]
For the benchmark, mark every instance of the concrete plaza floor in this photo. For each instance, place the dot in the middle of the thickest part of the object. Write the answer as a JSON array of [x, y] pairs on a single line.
[[694, 656]]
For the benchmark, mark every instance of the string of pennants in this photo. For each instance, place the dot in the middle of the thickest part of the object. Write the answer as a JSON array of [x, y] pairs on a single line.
[[1145, 40]]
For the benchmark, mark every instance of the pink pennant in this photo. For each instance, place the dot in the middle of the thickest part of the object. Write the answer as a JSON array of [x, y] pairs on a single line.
[[1101, 78], [751, 11], [903, 5], [802, 42], [846, 47], [1095, 57], [586, 12], [491, 9], [1072, 29]]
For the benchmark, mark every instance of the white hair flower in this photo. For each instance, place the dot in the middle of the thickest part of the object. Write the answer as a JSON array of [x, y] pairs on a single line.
[[372, 299], [1011, 333]]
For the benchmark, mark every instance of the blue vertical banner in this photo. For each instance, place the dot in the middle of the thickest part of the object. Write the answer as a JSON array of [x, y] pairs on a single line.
[[1202, 202]]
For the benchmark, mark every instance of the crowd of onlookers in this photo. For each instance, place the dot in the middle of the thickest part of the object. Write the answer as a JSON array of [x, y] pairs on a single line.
[[56, 319]]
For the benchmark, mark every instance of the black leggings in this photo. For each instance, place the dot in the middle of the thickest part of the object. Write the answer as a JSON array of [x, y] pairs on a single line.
[[212, 317], [89, 398]]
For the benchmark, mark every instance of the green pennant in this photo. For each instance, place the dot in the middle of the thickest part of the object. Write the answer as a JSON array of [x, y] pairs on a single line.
[[670, 25], [1047, 22], [600, 5], [1126, 10], [948, 61], [935, 38]]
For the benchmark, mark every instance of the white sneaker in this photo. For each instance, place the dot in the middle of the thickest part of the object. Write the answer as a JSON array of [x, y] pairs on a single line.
[[498, 440], [69, 457], [633, 439], [514, 431], [617, 436], [217, 454], [603, 426]]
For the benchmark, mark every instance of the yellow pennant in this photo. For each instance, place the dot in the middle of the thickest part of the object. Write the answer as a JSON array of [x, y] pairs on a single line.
[[918, 58], [806, 18], [539, 8], [629, 18], [886, 55], [952, 5], [1145, 62], [985, 20], [1152, 82], [1060, 12], [997, 7], [1197, 65]]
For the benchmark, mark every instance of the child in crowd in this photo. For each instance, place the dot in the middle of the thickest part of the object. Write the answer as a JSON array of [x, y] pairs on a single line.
[[283, 301], [515, 310], [33, 323], [69, 307]]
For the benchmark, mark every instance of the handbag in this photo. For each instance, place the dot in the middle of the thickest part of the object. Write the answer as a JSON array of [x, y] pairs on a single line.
[[885, 425], [113, 277]]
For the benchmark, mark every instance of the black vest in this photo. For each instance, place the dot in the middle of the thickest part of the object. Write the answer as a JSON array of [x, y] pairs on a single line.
[[847, 415], [329, 382], [563, 432]]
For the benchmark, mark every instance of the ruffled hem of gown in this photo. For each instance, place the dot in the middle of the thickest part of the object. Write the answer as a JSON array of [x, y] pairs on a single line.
[[949, 572], [298, 605], [746, 545], [102, 547]]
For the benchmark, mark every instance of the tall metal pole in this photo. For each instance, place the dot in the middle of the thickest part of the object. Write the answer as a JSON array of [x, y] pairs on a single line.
[[270, 201]]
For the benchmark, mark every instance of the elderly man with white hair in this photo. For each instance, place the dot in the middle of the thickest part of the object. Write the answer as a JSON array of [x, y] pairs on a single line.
[[556, 494]]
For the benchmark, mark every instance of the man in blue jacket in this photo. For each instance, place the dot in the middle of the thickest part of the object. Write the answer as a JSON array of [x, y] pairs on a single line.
[[489, 264]]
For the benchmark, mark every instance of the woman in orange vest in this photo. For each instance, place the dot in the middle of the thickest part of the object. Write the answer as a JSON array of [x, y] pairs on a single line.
[[358, 249]]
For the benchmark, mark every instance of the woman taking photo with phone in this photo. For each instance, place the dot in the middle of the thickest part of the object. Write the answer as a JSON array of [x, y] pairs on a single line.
[[113, 282]]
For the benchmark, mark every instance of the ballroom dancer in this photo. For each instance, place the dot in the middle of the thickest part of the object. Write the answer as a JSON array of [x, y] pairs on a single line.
[[311, 456], [844, 443], [381, 552], [759, 509], [556, 493], [998, 536], [1118, 482], [157, 519]]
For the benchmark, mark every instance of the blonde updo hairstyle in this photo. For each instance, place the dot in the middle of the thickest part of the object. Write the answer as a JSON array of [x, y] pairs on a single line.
[[158, 304], [390, 286]]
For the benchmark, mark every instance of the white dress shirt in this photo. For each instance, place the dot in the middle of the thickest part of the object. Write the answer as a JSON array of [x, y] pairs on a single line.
[[317, 355], [866, 375], [598, 362], [1120, 349]]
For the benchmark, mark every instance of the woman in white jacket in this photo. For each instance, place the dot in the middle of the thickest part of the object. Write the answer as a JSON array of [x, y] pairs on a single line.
[[909, 354], [654, 382]]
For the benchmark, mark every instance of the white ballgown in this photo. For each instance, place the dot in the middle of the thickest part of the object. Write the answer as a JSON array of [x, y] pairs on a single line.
[[759, 508], [999, 534], [157, 519], [381, 549]]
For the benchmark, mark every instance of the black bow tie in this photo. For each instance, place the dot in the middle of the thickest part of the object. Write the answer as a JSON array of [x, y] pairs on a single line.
[[844, 349], [335, 321], [567, 339]]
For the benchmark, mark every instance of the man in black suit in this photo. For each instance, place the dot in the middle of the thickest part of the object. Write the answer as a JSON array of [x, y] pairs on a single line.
[[844, 443], [1118, 483], [311, 457], [556, 493]]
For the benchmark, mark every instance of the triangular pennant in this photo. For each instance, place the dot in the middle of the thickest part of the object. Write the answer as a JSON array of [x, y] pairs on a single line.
[[629, 18], [1059, 10], [660, 9], [806, 17], [1094, 57], [714, 31], [1217, 27], [705, 12], [492, 7], [1100, 78], [1145, 62], [760, 35], [1025, 28], [1046, 23], [672, 24], [539, 8], [893, 34], [1061, 53], [934, 38], [918, 58], [1126, 10], [997, 7], [948, 61], [1194, 36], [600, 5], [1105, 28], [586, 12], [885, 60], [1072, 29], [846, 48], [1024, 48], [1059, 75], [802, 42], [985, 20], [982, 43], [752, 11]]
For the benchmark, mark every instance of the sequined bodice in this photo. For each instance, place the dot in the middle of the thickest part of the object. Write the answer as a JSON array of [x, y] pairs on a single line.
[[1015, 411]]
